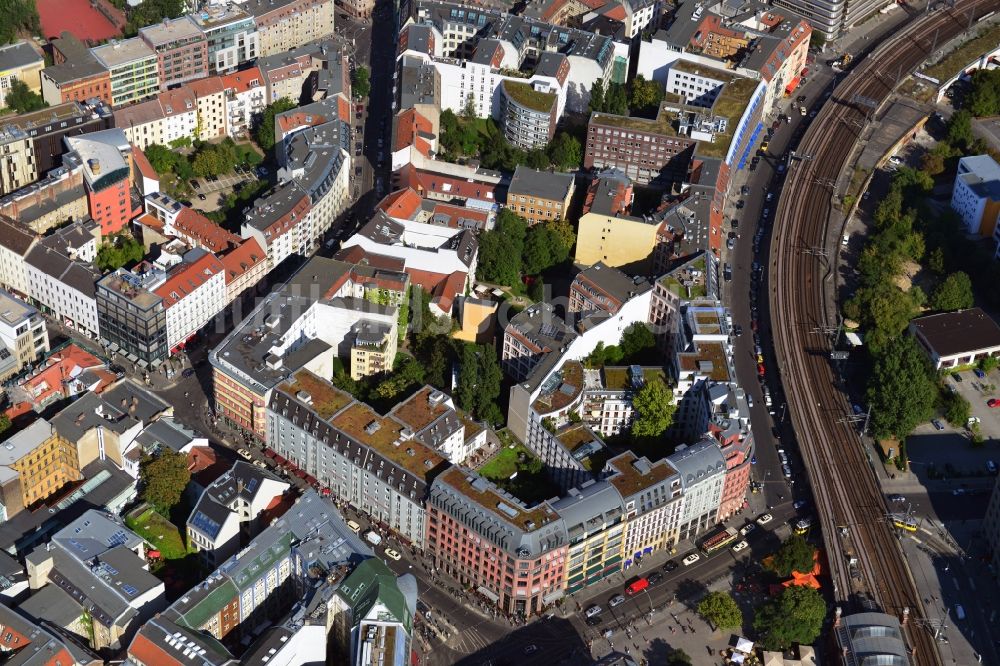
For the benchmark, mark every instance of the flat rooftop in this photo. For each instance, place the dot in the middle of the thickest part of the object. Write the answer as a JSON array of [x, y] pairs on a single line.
[[663, 125], [731, 103], [490, 498], [326, 400], [385, 435], [171, 30], [637, 474], [560, 389], [422, 408], [122, 52]]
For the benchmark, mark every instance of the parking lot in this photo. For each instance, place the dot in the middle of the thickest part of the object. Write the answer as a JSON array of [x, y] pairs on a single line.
[[208, 194], [949, 451]]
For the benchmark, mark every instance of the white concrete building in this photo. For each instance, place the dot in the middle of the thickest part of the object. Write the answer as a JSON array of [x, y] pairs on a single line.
[[180, 114], [246, 96], [975, 195], [703, 473], [15, 241], [232, 503], [61, 276], [22, 331], [698, 85], [432, 417], [956, 339], [192, 294]]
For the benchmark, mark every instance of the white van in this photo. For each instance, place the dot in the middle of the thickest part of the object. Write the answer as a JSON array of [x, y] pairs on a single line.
[[353, 526], [959, 612]]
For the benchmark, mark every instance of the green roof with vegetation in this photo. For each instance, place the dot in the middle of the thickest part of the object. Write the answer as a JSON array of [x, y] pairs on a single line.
[[704, 72], [675, 286], [210, 606], [526, 96], [731, 104], [968, 51], [617, 377], [327, 400], [663, 125]]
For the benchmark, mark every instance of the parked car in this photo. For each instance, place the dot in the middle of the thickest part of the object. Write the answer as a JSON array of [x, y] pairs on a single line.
[[740, 546], [353, 526], [244, 454], [654, 577], [978, 373], [937, 424], [991, 467], [691, 559], [593, 610], [260, 464], [593, 621], [993, 402], [670, 565], [392, 554], [765, 519], [616, 600], [800, 504], [895, 497]]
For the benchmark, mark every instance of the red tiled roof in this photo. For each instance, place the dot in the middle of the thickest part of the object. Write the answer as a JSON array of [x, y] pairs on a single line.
[[454, 212], [62, 366], [449, 290], [240, 260], [409, 124], [344, 109], [204, 232], [243, 81], [402, 204], [187, 278], [294, 121], [200, 458], [460, 188], [178, 101], [147, 220], [143, 165], [147, 652], [617, 13], [210, 85]]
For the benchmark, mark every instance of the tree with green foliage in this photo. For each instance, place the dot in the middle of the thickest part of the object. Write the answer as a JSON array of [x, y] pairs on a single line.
[[960, 129], [488, 389], [953, 293], [638, 344], [901, 389], [795, 554], [407, 375], [119, 250], [654, 409], [264, 123], [19, 17], [501, 250], [956, 408], [988, 363], [601, 356], [596, 102], [565, 151], [536, 290], [164, 478], [644, 96], [796, 616], [678, 657], [150, 12], [983, 98], [361, 82], [20, 98], [720, 610], [4, 424]]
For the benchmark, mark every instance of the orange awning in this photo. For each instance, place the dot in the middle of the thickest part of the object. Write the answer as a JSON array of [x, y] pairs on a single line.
[[792, 85]]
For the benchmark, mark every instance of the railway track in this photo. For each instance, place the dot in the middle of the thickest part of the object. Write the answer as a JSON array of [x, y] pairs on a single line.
[[850, 505]]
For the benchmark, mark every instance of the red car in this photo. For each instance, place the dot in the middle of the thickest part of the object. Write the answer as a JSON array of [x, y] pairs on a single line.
[[760, 372], [993, 402]]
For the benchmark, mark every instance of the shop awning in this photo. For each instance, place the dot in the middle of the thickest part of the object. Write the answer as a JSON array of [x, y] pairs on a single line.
[[792, 85], [311, 480], [279, 460], [269, 453], [299, 473], [489, 594]]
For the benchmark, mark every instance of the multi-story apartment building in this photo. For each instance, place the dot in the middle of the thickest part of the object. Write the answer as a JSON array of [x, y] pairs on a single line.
[[145, 123], [540, 196], [646, 151], [832, 19], [653, 497], [287, 24], [15, 241], [106, 159], [228, 512], [36, 463], [32, 637], [213, 118], [532, 334], [373, 462], [373, 614], [593, 516], [975, 195], [178, 114], [23, 336], [50, 201], [603, 289], [246, 95], [231, 35], [134, 70], [729, 425], [527, 114], [61, 276], [702, 470], [431, 416], [304, 324], [361, 9], [281, 224], [373, 350], [131, 316], [181, 50], [189, 225], [76, 74], [693, 279], [31, 144], [276, 575], [607, 396], [514, 555], [20, 62], [95, 569], [245, 267], [193, 293]]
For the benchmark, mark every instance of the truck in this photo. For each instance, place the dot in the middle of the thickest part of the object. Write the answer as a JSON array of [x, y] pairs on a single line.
[[373, 538]]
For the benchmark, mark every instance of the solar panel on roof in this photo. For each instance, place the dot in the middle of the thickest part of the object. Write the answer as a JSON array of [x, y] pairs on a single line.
[[204, 523], [129, 590], [118, 538]]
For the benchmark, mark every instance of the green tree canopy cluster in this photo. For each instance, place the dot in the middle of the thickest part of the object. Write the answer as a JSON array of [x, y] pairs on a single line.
[[20, 98], [512, 248], [721, 610], [479, 380], [119, 250], [149, 12], [263, 125], [654, 409], [468, 136], [902, 389], [953, 293], [983, 98], [19, 17], [640, 97], [795, 554], [361, 82], [795, 616], [164, 478]]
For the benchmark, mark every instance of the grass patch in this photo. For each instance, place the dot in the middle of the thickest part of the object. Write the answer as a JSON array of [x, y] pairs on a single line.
[[531, 485], [159, 533], [968, 51]]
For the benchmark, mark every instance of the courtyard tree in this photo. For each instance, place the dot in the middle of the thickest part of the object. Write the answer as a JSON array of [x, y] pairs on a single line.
[[795, 554], [654, 409], [795, 616], [721, 610], [164, 478]]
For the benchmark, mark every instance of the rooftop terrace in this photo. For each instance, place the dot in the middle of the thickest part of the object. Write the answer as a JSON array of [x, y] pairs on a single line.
[[422, 408], [634, 476], [561, 389], [489, 497], [327, 400], [385, 435], [731, 103], [526, 96]]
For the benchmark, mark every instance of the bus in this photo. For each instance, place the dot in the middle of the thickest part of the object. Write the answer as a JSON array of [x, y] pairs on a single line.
[[637, 586], [802, 526], [719, 540], [904, 522]]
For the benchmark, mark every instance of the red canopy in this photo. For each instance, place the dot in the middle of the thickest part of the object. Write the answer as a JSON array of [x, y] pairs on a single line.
[[310, 480], [279, 460], [792, 85], [299, 473], [269, 453]]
